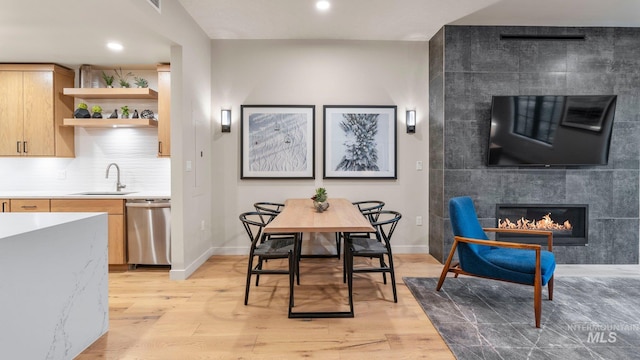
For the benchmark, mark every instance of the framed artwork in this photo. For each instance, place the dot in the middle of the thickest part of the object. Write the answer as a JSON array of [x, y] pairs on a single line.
[[360, 142], [277, 141]]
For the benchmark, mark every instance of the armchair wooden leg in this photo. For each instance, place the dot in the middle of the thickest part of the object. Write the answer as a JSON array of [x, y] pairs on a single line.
[[447, 264], [550, 288], [537, 290]]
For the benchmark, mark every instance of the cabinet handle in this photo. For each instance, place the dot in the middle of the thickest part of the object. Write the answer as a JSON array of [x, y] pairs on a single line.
[[18, 147], [160, 147], [3, 206], [24, 146], [29, 206]]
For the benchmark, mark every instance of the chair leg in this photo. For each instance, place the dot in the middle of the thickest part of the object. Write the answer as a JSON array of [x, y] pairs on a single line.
[[537, 291], [246, 292], [447, 264], [259, 267], [393, 277], [298, 256], [338, 244], [382, 264], [550, 288]]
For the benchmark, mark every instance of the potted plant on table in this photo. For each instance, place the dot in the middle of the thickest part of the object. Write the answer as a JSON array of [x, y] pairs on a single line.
[[320, 200]]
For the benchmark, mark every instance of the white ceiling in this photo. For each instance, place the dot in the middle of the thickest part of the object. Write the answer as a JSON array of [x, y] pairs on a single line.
[[73, 32]]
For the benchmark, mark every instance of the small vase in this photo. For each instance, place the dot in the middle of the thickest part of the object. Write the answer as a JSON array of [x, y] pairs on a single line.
[[320, 206]]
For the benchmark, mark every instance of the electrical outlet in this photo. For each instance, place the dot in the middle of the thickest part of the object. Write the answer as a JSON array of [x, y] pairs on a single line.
[[418, 220], [62, 174], [419, 165], [188, 165]]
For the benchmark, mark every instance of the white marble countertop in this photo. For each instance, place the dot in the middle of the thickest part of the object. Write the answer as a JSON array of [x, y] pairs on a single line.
[[12, 224], [67, 194]]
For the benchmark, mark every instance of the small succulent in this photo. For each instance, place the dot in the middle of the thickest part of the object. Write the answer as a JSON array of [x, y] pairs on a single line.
[[108, 79], [82, 106], [321, 195], [141, 82], [96, 109], [125, 112]]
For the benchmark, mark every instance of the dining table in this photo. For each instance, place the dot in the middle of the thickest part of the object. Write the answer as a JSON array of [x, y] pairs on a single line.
[[300, 216]]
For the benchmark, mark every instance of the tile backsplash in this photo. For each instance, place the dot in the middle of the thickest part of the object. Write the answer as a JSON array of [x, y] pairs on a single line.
[[133, 149]]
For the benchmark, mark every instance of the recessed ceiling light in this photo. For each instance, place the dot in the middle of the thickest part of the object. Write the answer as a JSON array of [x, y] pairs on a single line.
[[323, 5], [115, 46]]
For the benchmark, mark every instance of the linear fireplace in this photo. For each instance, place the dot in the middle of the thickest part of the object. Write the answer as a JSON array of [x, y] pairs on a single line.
[[569, 223]]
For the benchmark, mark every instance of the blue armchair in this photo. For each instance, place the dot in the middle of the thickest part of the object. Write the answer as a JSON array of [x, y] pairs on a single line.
[[506, 261]]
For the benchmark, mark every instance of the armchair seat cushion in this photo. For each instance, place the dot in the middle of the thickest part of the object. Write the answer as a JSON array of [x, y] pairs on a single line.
[[521, 264]]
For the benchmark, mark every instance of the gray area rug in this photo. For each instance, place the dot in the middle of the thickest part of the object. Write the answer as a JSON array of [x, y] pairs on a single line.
[[589, 318]]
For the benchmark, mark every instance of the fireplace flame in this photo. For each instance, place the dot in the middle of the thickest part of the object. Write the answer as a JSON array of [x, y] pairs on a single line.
[[546, 223]]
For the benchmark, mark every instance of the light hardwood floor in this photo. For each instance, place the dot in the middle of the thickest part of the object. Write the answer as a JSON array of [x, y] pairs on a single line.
[[152, 317]]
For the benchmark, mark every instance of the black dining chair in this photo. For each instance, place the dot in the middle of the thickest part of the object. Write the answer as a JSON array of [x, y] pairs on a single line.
[[264, 248], [370, 209], [268, 211], [375, 247]]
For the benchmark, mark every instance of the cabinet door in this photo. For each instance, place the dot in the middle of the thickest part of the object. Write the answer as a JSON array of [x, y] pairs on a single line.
[[164, 111], [11, 113], [115, 209], [117, 253], [38, 114], [5, 205], [30, 205]]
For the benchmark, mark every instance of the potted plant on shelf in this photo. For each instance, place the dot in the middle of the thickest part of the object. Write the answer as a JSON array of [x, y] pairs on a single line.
[[108, 79], [123, 79], [97, 112], [320, 200], [141, 82], [81, 112], [125, 112]]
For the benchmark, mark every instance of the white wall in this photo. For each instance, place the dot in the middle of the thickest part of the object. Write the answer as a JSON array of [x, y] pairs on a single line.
[[297, 72], [190, 132]]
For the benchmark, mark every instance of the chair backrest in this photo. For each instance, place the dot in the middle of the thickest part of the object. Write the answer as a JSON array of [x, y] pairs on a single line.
[[268, 209], [370, 208], [254, 223], [464, 222], [386, 225]]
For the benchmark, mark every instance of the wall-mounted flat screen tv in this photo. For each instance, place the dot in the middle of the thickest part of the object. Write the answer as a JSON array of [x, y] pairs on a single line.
[[550, 130]]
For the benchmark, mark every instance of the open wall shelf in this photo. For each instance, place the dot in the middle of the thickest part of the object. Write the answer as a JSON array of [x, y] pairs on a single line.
[[111, 123], [111, 93]]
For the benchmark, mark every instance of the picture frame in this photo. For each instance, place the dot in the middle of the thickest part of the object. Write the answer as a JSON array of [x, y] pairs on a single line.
[[277, 141], [369, 155]]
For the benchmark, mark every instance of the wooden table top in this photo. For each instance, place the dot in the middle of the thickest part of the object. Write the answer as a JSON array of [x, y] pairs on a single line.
[[299, 215]]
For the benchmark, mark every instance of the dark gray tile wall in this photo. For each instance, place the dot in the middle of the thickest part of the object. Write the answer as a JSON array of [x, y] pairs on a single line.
[[469, 64]]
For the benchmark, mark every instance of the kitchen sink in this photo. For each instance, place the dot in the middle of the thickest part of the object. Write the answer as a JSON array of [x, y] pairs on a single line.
[[112, 193]]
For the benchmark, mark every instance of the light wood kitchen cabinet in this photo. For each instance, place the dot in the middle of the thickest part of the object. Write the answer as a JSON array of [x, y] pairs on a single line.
[[30, 205], [5, 205], [114, 208], [164, 110], [32, 109]]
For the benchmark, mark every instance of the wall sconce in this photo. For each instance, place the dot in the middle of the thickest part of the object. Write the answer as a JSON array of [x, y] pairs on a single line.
[[225, 120], [411, 121]]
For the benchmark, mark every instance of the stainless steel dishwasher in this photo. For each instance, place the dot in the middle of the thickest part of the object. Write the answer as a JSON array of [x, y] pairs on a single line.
[[149, 232]]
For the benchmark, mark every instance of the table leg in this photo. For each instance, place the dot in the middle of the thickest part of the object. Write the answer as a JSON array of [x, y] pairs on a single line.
[[329, 314]]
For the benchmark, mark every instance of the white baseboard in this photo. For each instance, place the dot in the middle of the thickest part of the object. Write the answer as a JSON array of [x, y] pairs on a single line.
[[183, 274]]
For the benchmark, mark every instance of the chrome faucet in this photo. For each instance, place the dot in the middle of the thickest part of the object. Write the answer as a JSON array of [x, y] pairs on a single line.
[[119, 186]]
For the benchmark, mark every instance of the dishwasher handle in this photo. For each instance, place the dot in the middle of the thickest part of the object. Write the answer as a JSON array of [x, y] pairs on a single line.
[[148, 205]]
